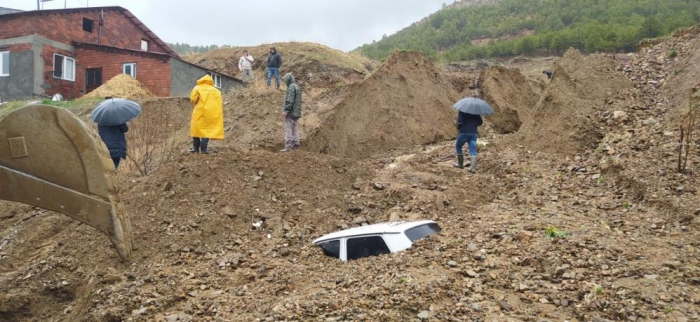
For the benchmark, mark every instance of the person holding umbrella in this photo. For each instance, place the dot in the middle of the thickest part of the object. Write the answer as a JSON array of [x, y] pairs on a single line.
[[207, 116], [469, 119], [111, 117]]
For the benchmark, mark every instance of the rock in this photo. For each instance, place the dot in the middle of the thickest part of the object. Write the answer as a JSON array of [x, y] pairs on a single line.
[[424, 315], [228, 211], [378, 186], [394, 217], [354, 209], [480, 255], [476, 307], [452, 264], [167, 186], [257, 178], [523, 287], [175, 247], [360, 220], [355, 186], [651, 277], [504, 305], [544, 300], [471, 273], [112, 278], [286, 226], [471, 247], [618, 115], [178, 317]]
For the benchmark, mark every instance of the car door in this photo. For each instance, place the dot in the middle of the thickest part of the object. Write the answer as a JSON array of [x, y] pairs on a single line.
[[365, 246]]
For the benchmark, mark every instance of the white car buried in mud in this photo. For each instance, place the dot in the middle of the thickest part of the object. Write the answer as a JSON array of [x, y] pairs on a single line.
[[374, 240]]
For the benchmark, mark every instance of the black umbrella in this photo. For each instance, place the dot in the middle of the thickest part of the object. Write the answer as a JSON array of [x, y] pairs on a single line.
[[472, 105], [115, 111]]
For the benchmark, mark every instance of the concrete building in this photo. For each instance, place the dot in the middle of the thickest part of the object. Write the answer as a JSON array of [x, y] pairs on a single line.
[[73, 51]]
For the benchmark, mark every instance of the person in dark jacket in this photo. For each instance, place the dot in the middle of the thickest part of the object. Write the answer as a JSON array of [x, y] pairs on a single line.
[[292, 113], [274, 62], [115, 140], [468, 125]]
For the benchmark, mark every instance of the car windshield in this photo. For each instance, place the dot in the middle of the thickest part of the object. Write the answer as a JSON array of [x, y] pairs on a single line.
[[359, 247], [331, 248], [422, 231]]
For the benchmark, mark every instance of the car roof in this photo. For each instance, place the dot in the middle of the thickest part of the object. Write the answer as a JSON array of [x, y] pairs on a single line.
[[396, 227]]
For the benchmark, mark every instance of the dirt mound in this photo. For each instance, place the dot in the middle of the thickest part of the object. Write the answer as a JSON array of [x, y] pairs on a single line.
[[511, 95], [672, 63], [122, 86], [406, 102], [313, 65], [567, 118]]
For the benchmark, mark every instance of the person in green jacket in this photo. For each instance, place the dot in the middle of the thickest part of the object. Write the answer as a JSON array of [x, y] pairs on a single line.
[[292, 113]]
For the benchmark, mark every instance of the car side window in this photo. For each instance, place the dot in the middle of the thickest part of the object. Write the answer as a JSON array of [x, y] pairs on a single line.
[[331, 248], [422, 231], [360, 247]]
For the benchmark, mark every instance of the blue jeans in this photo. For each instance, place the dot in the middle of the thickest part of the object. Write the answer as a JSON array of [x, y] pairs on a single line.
[[273, 71], [466, 138]]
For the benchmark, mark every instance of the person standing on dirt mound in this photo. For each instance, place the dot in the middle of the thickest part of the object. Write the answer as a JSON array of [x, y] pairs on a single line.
[[207, 116], [274, 62], [468, 125], [245, 64], [292, 114]]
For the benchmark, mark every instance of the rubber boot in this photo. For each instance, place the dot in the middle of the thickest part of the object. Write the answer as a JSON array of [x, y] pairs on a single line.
[[472, 169], [205, 145], [195, 145], [460, 162]]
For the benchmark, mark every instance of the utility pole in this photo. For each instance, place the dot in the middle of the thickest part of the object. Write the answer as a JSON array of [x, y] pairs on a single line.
[[37, 5]]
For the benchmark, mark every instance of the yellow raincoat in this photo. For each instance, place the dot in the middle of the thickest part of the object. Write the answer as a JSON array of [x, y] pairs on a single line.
[[208, 113]]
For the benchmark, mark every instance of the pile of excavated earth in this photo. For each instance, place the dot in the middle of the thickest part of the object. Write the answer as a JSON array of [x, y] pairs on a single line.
[[590, 153], [122, 86]]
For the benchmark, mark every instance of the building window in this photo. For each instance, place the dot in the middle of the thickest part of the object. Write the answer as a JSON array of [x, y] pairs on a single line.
[[63, 67], [217, 79], [5, 63], [87, 24], [144, 44], [130, 69]]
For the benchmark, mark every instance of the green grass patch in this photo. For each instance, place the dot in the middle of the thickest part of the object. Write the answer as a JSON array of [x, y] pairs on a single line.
[[553, 232], [626, 205], [73, 105]]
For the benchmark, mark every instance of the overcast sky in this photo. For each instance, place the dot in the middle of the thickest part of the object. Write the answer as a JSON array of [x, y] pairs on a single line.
[[341, 24]]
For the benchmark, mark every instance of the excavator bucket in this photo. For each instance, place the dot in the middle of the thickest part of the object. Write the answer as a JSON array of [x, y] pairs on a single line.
[[49, 159]]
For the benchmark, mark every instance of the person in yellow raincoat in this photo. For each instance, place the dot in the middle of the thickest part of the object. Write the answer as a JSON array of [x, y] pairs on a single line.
[[207, 116]]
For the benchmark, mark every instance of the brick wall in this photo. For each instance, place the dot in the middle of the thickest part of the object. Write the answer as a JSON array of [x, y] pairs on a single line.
[[154, 72], [67, 27], [56, 85]]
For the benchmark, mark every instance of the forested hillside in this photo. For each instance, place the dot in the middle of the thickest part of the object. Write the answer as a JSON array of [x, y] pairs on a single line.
[[515, 27]]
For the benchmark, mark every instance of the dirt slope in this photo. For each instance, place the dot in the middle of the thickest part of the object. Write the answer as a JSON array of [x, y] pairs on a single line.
[[406, 102], [512, 96], [566, 119], [313, 64]]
